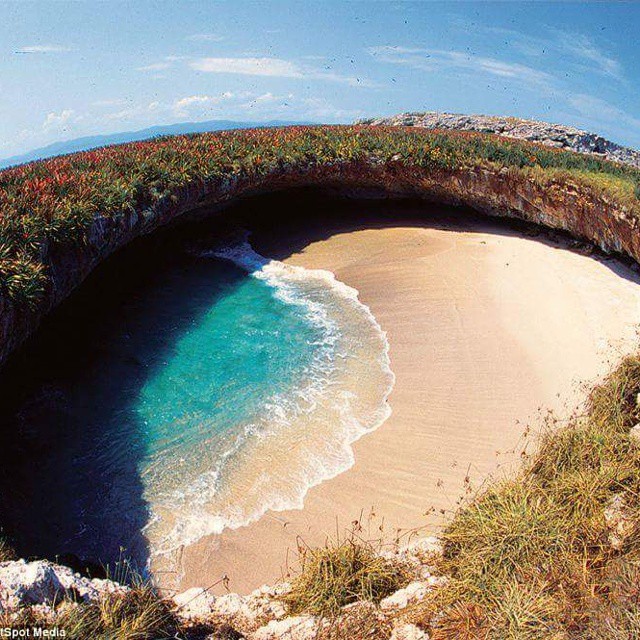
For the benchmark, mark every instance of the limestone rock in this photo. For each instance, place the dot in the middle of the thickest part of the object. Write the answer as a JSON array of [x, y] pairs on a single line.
[[412, 593], [26, 583], [243, 613], [408, 632], [194, 604], [294, 628], [634, 434], [41, 582]]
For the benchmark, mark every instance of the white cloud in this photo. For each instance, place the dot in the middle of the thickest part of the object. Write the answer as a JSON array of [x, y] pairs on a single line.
[[134, 112], [58, 121], [436, 59], [249, 66], [156, 66], [571, 47], [43, 48], [585, 49], [205, 37], [272, 67], [202, 104], [600, 111]]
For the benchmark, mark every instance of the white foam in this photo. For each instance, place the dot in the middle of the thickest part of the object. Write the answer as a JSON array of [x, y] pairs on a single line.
[[313, 291]]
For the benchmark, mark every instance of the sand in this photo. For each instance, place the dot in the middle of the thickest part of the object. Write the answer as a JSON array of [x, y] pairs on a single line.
[[487, 328]]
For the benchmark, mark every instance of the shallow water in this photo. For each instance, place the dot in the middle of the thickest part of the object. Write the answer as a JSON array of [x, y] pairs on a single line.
[[226, 386]]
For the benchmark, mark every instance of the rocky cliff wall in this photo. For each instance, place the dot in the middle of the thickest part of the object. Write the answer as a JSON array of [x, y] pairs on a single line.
[[506, 192]]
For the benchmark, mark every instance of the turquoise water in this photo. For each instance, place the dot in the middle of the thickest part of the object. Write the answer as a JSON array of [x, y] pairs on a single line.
[[225, 386], [248, 346]]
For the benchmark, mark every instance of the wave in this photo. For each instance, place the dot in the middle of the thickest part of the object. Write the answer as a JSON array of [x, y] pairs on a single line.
[[304, 435]]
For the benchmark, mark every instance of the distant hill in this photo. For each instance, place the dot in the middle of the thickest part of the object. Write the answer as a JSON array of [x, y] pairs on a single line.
[[91, 142], [553, 135]]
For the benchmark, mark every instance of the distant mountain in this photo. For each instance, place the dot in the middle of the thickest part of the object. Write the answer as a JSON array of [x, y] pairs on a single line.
[[91, 142]]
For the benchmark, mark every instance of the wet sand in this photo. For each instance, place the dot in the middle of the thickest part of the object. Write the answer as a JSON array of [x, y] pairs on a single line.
[[487, 329]]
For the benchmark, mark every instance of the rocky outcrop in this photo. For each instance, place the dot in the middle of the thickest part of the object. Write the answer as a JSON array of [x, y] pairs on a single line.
[[552, 135], [41, 582], [46, 589]]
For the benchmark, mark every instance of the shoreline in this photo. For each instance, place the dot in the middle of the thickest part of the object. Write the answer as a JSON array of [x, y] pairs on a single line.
[[466, 325]]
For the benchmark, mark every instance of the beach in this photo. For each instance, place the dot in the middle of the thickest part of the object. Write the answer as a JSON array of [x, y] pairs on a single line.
[[488, 328]]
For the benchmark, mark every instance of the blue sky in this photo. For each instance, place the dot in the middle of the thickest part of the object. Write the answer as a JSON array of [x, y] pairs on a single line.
[[69, 69]]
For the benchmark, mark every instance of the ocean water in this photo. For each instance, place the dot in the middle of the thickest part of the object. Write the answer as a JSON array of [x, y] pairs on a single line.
[[229, 388]]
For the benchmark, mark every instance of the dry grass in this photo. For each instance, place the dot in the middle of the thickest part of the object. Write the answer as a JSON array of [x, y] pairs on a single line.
[[139, 614], [343, 572], [532, 557], [6, 551]]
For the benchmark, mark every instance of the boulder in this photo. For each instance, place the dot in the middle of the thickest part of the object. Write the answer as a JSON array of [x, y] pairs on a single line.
[[26, 583], [194, 604], [412, 593], [294, 628], [41, 582], [243, 613]]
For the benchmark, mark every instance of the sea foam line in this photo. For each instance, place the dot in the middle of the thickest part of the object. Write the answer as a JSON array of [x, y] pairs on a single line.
[[286, 280]]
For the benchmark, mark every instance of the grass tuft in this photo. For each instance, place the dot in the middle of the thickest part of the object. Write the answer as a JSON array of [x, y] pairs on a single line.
[[341, 573], [6, 551]]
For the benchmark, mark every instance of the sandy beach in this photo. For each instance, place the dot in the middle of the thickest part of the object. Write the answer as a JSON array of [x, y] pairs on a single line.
[[487, 328]]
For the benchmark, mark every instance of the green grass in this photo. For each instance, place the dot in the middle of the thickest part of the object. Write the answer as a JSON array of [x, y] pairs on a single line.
[[531, 557]]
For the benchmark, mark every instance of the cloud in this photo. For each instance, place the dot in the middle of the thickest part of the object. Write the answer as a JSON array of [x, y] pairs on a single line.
[[600, 111], [570, 47], [431, 60], [58, 121], [272, 67], [156, 66], [202, 103], [43, 48], [584, 49], [275, 67], [205, 37]]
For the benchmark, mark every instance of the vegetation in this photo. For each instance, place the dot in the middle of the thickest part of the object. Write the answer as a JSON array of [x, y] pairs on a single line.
[[343, 572], [6, 551], [54, 202], [136, 615], [555, 551]]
